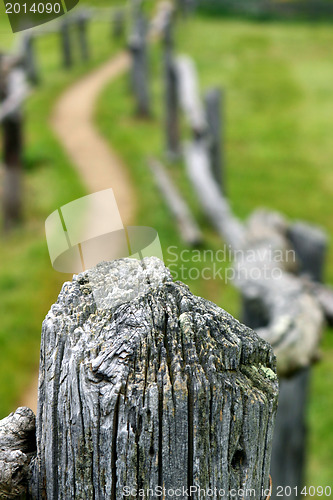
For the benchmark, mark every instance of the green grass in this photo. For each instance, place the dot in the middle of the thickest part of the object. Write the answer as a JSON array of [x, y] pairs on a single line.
[[279, 121], [28, 284]]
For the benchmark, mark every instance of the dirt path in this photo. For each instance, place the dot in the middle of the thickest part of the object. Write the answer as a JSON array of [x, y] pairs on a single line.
[[98, 165]]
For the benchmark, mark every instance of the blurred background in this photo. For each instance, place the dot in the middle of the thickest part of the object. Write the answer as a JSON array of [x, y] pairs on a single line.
[[273, 61]]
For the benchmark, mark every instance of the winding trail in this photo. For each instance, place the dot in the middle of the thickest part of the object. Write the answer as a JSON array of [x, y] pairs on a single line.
[[98, 165]]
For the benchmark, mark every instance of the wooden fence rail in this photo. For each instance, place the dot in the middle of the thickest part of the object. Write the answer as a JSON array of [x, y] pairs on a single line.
[[188, 228]]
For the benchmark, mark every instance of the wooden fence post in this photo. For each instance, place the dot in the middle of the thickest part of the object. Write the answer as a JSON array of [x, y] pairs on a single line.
[[66, 46], [139, 71], [82, 22], [29, 59], [310, 245], [214, 102], [12, 150], [118, 24], [290, 435], [161, 390], [12, 155], [171, 93]]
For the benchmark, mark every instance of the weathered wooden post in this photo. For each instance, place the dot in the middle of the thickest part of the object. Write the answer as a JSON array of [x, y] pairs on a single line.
[[185, 7], [66, 46], [12, 156], [158, 392], [82, 25], [310, 245], [285, 309], [118, 24], [171, 93], [12, 90], [29, 59], [290, 435], [139, 71], [214, 103]]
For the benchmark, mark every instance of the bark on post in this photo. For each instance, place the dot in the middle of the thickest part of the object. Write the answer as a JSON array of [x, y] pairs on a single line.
[[161, 389], [172, 126], [139, 72], [82, 25], [66, 45], [214, 102]]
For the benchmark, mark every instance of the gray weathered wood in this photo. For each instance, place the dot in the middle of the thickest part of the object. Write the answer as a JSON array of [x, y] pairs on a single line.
[[265, 271], [166, 389], [82, 27], [290, 436], [209, 194], [118, 24], [13, 92], [189, 95], [139, 71], [188, 228], [171, 101], [66, 44], [289, 442], [293, 315], [162, 16], [214, 103], [310, 244], [29, 58], [324, 295], [17, 449]]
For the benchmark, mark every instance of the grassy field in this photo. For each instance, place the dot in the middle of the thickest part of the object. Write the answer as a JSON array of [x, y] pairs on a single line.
[[28, 284], [279, 121]]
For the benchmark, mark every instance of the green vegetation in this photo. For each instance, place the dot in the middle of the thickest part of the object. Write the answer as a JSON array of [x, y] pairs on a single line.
[[279, 115], [28, 284]]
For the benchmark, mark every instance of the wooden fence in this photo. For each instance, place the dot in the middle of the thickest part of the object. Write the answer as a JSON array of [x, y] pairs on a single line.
[[18, 69], [289, 312]]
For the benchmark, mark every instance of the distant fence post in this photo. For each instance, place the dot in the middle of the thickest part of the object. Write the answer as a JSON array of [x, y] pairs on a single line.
[[66, 46], [139, 71], [12, 155], [171, 93], [29, 59], [214, 102], [118, 24], [290, 436], [82, 22]]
